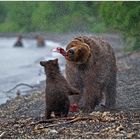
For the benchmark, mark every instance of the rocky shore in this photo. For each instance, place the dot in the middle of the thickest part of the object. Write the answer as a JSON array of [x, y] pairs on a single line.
[[19, 116]]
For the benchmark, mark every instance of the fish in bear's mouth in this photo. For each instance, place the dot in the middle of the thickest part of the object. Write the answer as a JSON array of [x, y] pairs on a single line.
[[69, 54], [60, 50]]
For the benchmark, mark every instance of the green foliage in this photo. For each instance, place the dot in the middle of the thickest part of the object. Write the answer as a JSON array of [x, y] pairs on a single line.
[[9, 27], [125, 17], [72, 16], [20, 13], [2, 12]]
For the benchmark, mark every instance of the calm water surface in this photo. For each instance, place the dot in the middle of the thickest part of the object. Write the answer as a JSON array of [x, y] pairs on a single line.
[[21, 65]]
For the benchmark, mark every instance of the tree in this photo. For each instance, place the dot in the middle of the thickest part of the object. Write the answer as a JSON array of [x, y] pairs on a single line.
[[21, 13], [125, 17]]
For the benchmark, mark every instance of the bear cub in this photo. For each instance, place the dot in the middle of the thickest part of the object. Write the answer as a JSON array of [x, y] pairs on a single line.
[[57, 90]]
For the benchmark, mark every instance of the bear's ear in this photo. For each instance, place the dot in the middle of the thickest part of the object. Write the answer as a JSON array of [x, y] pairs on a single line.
[[80, 39], [42, 63], [55, 61]]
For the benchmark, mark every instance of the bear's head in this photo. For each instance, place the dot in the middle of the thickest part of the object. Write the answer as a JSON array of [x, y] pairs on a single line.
[[78, 51], [50, 65]]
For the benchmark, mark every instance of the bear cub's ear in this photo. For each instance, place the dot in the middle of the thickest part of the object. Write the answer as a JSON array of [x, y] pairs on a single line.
[[42, 63], [55, 61]]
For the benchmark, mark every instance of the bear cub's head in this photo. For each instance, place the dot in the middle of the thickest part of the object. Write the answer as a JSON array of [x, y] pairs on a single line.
[[50, 65]]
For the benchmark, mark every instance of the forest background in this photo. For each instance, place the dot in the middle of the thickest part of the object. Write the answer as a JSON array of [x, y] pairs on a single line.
[[73, 16]]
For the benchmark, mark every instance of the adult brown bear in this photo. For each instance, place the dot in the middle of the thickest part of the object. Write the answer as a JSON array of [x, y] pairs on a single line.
[[40, 41], [91, 68], [18, 43]]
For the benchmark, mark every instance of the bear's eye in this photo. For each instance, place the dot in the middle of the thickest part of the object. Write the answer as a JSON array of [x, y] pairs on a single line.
[[79, 50], [72, 46]]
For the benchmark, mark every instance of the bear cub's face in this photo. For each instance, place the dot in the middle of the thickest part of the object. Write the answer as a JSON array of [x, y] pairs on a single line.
[[78, 52], [50, 65]]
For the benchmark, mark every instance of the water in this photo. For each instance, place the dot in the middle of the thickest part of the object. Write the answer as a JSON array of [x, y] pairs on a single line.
[[21, 65]]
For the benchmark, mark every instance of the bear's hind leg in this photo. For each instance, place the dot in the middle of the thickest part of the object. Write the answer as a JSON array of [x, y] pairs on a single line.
[[111, 94], [48, 114], [57, 114], [65, 110]]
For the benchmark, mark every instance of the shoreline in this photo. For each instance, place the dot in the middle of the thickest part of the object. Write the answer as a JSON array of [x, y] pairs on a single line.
[[63, 38]]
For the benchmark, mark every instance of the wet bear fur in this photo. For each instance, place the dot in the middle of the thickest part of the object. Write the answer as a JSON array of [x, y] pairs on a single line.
[[91, 68], [57, 90]]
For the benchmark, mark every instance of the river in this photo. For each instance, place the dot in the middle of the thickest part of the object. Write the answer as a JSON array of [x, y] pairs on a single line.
[[21, 65]]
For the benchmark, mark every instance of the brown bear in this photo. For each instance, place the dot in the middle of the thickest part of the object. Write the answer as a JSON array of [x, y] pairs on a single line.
[[40, 41], [57, 90], [91, 68], [18, 43]]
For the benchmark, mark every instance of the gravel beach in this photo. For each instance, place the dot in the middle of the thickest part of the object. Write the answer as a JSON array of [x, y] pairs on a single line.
[[19, 116]]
